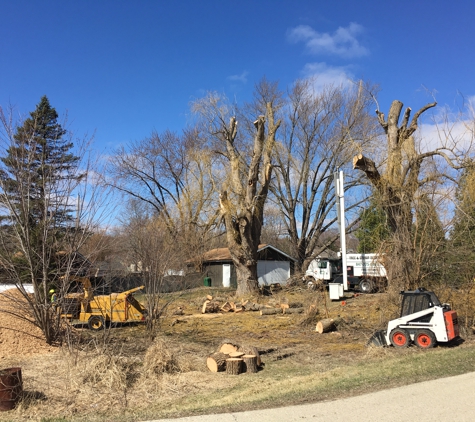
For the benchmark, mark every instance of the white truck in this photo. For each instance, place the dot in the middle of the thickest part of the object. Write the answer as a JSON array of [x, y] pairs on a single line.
[[365, 272]]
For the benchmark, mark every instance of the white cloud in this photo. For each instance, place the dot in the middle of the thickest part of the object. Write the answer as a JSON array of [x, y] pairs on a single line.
[[239, 78], [324, 75], [342, 42], [453, 136]]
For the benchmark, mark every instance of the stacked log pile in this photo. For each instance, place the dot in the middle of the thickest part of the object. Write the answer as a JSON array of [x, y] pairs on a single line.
[[215, 305], [234, 359]]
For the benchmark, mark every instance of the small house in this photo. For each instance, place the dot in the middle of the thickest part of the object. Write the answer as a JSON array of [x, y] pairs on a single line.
[[273, 266]]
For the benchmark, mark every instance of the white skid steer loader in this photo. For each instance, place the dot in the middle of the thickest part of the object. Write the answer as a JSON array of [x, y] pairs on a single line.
[[424, 321]]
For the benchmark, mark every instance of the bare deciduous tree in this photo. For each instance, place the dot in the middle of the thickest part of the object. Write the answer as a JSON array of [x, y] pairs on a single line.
[[172, 175], [321, 131], [406, 172], [244, 192]]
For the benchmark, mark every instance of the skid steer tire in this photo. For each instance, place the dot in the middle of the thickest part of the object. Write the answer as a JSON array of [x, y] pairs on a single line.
[[425, 339], [96, 323], [399, 338], [366, 286]]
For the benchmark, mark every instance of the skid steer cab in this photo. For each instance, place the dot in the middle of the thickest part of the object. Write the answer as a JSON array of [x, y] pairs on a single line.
[[424, 321]]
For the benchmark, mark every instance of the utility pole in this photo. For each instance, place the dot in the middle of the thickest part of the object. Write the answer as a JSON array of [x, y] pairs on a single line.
[[340, 210]]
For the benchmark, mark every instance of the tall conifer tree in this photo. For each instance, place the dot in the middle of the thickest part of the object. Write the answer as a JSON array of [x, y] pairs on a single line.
[[38, 174]]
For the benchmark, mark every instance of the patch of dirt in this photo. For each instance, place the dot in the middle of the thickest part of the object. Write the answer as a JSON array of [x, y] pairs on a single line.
[[18, 337]]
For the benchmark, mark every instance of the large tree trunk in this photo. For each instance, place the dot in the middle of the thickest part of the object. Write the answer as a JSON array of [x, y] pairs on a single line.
[[246, 273], [243, 212], [397, 188]]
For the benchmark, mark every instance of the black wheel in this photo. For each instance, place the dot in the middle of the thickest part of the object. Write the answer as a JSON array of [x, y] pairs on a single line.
[[96, 323], [366, 286], [399, 338], [425, 339]]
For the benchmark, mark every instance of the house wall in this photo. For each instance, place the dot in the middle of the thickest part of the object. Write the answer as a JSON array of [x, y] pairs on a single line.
[[269, 254], [215, 272]]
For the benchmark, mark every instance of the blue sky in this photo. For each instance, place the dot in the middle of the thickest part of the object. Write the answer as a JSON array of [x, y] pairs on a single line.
[[122, 69]]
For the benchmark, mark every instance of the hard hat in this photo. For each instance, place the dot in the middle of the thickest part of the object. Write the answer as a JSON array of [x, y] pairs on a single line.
[[51, 291]]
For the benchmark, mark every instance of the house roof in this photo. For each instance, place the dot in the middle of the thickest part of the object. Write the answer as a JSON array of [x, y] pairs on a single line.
[[223, 254]]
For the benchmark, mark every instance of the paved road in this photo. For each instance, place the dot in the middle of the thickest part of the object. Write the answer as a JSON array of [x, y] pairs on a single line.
[[446, 399]]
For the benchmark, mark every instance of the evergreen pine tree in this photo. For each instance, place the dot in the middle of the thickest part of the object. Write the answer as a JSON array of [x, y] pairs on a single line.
[[38, 174], [37, 164], [429, 242], [373, 229]]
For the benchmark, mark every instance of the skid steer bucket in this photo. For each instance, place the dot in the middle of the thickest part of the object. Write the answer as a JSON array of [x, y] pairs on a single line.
[[378, 339]]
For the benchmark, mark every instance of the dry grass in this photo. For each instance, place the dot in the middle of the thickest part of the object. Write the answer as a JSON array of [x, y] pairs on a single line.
[[121, 376]]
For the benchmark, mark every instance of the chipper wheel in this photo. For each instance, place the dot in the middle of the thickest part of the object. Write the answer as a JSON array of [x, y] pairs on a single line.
[[96, 323], [425, 339], [399, 338]]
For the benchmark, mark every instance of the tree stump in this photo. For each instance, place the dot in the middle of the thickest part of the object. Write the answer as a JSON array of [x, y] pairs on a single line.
[[217, 362], [325, 325], [251, 350], [234, 366], [249, 364]]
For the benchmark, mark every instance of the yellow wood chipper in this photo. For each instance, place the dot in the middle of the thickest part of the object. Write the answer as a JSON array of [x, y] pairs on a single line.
[[85, 308]]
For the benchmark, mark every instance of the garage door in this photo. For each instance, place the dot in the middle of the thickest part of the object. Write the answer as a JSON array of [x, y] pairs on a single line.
[[269, 272]]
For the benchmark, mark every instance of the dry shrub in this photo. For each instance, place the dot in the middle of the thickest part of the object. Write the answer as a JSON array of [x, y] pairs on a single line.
[[310, 316], [462, 300], [106, 371], [161, 358]]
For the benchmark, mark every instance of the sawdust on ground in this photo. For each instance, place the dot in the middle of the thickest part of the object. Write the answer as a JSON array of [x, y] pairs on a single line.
[[18, 337]]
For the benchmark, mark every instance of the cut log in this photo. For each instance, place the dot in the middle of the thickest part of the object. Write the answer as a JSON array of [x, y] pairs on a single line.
[[209, 307], [209, 297], [294, 311], [233, 366], [226, 307], [220, 299], [228, 348], [271, 311], [217, 362], [251, 350], [325, 325], [236, 354], [249, 364], [284, 306], [252, 307], [296, 305]]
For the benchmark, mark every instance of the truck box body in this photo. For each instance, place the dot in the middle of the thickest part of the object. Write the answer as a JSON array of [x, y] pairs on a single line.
[[359, 267]]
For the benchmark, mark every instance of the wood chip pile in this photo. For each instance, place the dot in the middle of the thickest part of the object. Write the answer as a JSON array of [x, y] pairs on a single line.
[[18, 337]]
